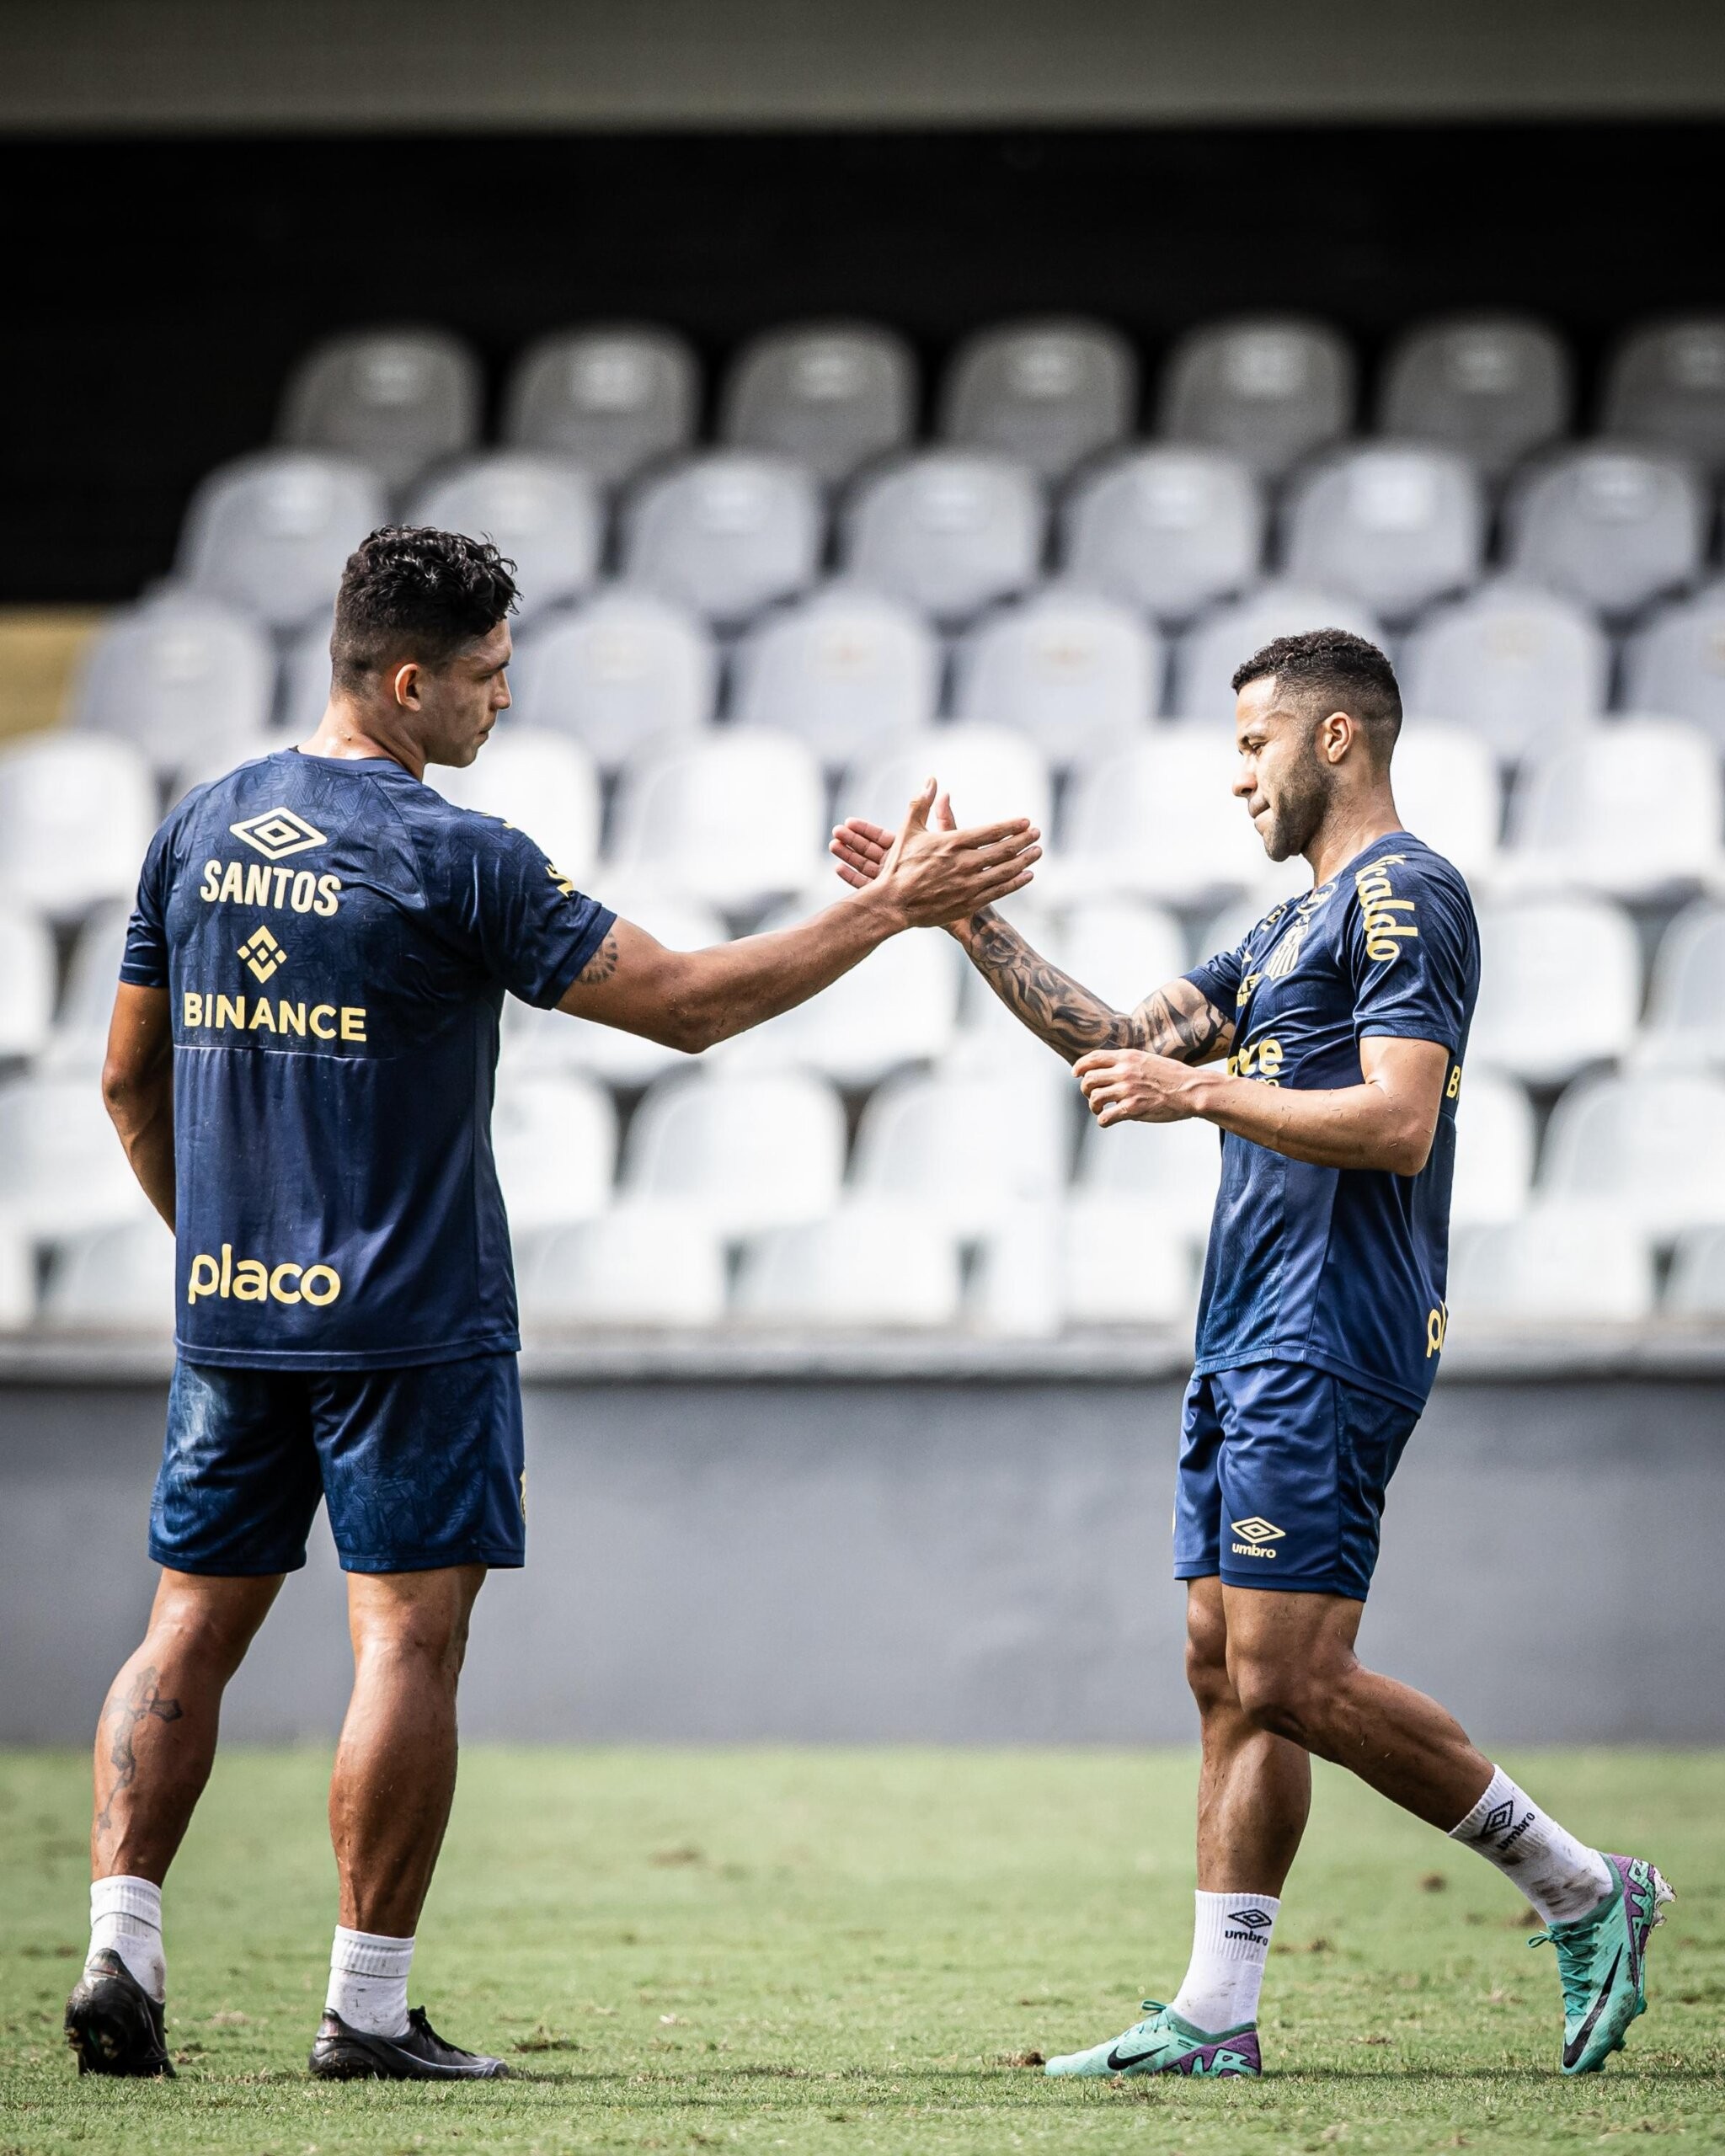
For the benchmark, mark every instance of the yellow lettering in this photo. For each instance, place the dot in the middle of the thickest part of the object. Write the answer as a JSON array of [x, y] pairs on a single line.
[[227, 1269], [251, 1283], [1454, 1085], [327, 1293], [278, 1287], [202, 1279], [353, 1024], [232, 883], [194, 1009], [212, 880], [327, 886], [1269, 1059], [290, 1018], [1437, 1325], [323, 1010], [301, 895], [256, 884], [281, 876], [262, 1015], [230, 1010]]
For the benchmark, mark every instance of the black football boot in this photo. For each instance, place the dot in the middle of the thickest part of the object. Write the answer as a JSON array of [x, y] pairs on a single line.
[[113, 2024], [344, 2054]]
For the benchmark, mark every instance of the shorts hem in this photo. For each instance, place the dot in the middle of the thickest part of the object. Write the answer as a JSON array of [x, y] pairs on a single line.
[[177, 1562], [358, 1361], [1349, 1593], [373, 1562]]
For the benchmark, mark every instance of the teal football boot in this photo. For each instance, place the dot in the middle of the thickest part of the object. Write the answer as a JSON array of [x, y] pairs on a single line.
[[1602, 1963], [1165, 2044]]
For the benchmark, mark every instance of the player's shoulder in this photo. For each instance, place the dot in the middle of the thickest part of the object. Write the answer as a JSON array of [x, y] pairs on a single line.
[[1404, 865]]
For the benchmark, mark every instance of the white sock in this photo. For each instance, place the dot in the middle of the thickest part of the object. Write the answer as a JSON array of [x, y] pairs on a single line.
[[368, 1982], [1231, 1937], [1562, 1877], [126, 1915]]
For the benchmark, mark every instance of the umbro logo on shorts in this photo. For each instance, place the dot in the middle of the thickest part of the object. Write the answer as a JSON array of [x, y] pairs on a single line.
[[1255, 1534]]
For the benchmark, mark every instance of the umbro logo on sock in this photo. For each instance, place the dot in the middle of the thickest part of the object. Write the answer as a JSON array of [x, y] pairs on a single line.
[[1254, 1919], [1498, 1818]]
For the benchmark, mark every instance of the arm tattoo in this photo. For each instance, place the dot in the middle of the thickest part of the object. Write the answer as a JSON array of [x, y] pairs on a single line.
[[600, 966], [1178, 1020], [144, 1701]]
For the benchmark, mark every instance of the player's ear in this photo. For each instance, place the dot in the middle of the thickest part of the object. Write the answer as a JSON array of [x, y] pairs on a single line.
[[1337, 733], [406, 685]]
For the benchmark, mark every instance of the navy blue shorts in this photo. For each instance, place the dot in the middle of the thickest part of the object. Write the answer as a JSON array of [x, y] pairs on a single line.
[[1283, 1471], [421, 1468]]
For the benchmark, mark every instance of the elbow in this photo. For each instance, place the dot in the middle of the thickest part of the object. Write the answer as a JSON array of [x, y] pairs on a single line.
[[120, 1095], [691, 1024], [1407, 1151]]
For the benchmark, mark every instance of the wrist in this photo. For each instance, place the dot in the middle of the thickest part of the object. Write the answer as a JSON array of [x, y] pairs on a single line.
[[881, 908], [967, 932], [1201, 1089]]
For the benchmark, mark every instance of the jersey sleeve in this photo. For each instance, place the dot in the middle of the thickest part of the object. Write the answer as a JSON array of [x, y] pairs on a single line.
[[1219, 978], [144, 963], [534, 931], [1413, 951]]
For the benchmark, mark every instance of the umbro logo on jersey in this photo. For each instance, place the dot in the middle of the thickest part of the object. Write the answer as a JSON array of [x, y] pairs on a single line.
[[263, 955], [1254, 1919], [1255, 1536], [277, 833]]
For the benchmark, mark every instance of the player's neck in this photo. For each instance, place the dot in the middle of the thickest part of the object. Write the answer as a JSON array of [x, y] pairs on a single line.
[[349, 732], [1348, 829]]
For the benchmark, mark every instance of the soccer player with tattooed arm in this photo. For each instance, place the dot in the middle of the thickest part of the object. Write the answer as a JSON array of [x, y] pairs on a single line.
[[1327, 1048], [300, 1068]]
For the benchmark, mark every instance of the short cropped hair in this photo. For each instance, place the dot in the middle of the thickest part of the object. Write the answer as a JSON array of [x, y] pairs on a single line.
[[1338, 671], [410, 590]]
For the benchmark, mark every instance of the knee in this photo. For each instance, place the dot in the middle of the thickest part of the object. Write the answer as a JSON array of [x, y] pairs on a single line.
[[1278, 1695], [1207, 1660], [434, 1640]]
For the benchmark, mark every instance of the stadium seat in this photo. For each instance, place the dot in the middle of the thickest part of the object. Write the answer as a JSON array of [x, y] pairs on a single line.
[[951, 531], [1118, 1267], [1206, 656], [1080, 674], [18, 1280], [1446, 786], [79, 1037], [839, 669], [1159, 821], [1686, 1020], [303, 695], [540, 782], [991, 774], [1269, 390], [1494, 1146], [1169, 531], [887, 1267], [62, 1168], [611, 399], [113, 1279], [725, 533], [1607, 525], [1512, 662], [27, 981], [625, 670], [76, 811], [1652, 1144], [1560, 986], [1492, 387], [395, 400], [1120, 948], [1665, 385], [1566, 1265], [639, 1265], [180, 676], [756, 1151], [732, 819], [1631, 808], [900, 1005], [828, 395], [271, 533], [1045, 393], [1169, 1170], [555, 1143], [965, 1149], [543, 513], [1390, 524], [1696, 1285], [1676, 665]]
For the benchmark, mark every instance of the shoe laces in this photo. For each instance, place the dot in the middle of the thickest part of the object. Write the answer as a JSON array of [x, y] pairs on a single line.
[[1574, 1945]]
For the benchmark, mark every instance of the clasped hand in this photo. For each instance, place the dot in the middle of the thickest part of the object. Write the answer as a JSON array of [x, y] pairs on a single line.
[[1129, 1085]]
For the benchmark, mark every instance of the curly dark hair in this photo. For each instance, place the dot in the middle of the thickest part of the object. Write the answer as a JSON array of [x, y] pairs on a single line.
[[410, 590], [1340, 671]]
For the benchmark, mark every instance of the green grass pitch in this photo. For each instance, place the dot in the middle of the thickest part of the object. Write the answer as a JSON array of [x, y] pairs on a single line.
[[860, 1951]]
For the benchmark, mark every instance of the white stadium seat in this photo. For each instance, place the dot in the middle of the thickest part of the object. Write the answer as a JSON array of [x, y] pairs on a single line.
[[1079, 674], [991, 774], [1652, 1144], [732, 819], [619, 675], [649, 1265], [889, 1267], [1168, 530], [79, 1038], [828, 395], [1207, 656], [76, 812], [1512, 662], [395, 400], [271, 534], [965, 1149], [1610, 527], [1445, 781], [838, 669], [540, 512], [1676, 665], [1685, 1021], [1492, 386], [18, 1279], [950, 531], [27, 981], [541, 782], [1121, 949], [1563, 1265], [117, 1279], [725, 533], [1665, 384], [1494, 1147], [1560, 986], [180, 676], [1160, 821], [1632, 808], [1170, 1169], [1392, 526], [612, 398], [750, 1151], [1121, 1267], [1696, 1286], [61, 1166], [555, 1143], [1046, 393], [1268, 389]]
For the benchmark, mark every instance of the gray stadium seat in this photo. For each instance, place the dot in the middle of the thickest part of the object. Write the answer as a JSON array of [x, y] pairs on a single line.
[[304, 692], [1390, 524], [539, 781], [271, 533], [756, 1151], [966, 1150], [1170, 530], [1696, 1287], [1677, 662], [839, 670], [76, 811], [1494, 1147], [1633, 808], [830, 396], [1046, 393], [1573, 1264], [1159, 821], [116, 1279], [1448, 791], [726, 534], [1560, 986], [554, 1138], [1119, 1268], [61, 1169], [643, 1264], [26, 981], [612, 398], [1685, 1021], [1492, 387], [396, 400], [79, 1037], [1080, 674], [540, 512], [950, 531], [1207, 654], [887, 1267], [1511, 662], [1665, 385], [628, 668], [1609, 525], [1266, 389], [1652, 1144], [1170, 1169], [180, 676], [674, 801], [991, 773]]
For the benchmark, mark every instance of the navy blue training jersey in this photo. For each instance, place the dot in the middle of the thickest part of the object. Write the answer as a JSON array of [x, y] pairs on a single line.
[[1342, 1268], [336, 939]]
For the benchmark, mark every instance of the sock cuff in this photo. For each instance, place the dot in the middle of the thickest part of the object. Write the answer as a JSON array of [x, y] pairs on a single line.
[[1235, 1925], [1500, 1793], [121, 1896], [369, 1954]]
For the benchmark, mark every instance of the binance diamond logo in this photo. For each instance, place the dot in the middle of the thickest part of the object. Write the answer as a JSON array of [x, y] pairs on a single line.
[[263, 954], [1257, 1530], [277, 833]]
